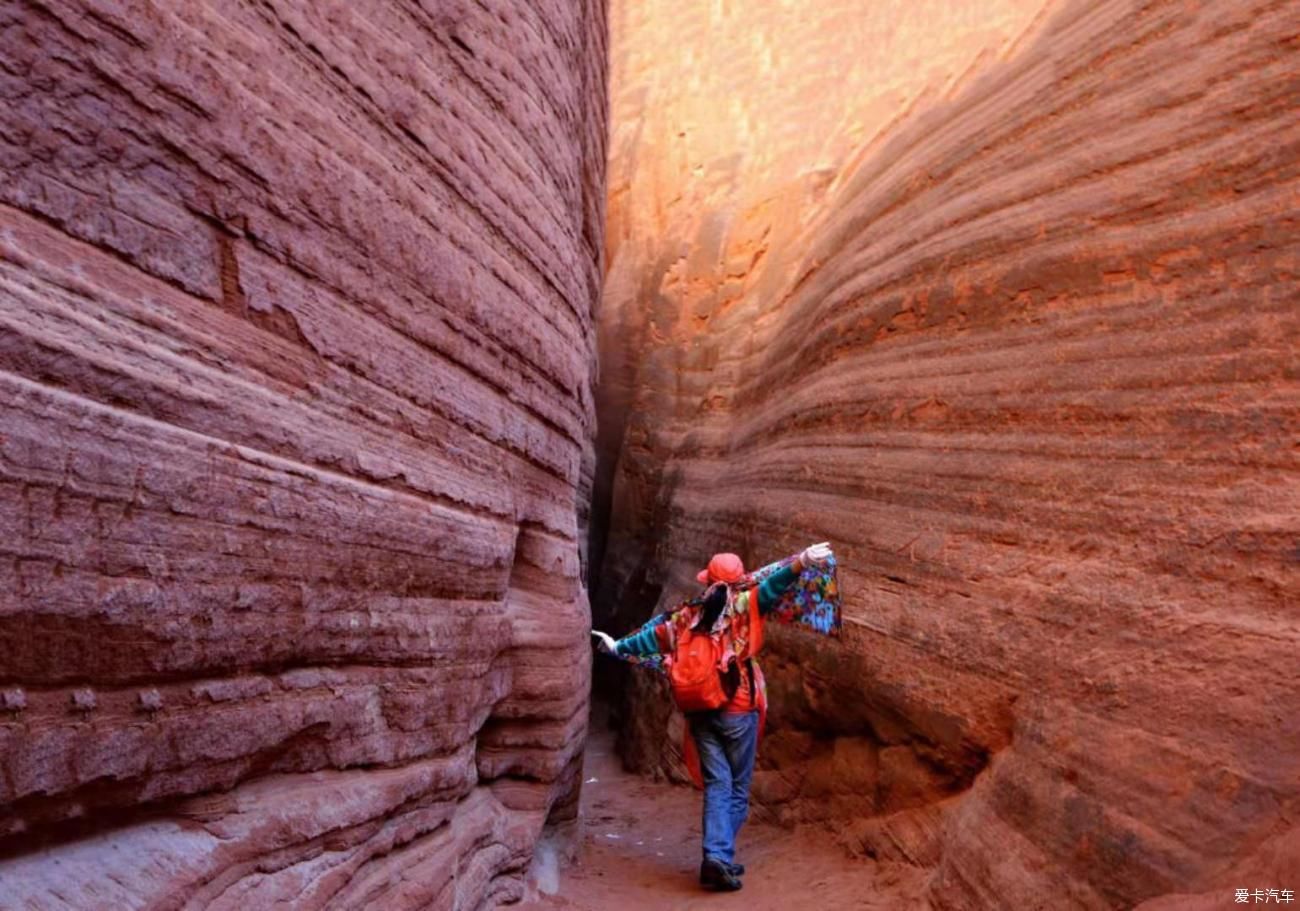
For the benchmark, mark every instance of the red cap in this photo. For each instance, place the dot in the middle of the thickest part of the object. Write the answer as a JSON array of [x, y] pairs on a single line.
[[722, 568]]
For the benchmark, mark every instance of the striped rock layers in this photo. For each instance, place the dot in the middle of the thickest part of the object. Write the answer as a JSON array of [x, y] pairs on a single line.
[[296, 410], [1003, 300]]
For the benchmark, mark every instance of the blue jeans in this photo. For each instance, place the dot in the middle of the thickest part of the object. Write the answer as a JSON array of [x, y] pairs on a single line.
[[727, 744]]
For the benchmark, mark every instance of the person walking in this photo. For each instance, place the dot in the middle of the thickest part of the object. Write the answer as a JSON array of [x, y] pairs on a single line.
[[725, 623]]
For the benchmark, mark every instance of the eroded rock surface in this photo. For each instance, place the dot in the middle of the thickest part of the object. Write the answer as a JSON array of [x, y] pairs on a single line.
[[296, 407], [1003, 302]]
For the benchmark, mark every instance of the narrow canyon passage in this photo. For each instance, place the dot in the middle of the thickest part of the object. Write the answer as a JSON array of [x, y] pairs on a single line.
[[358, 356]]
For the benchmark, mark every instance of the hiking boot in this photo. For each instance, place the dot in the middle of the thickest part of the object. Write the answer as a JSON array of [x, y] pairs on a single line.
[[736, 869], [717, 875]]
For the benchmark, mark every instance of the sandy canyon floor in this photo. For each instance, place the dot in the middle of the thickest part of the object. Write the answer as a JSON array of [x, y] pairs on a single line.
[[640, 848]]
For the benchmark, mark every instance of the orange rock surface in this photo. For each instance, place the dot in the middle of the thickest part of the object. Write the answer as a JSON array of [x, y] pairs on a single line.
[[1002, 300]]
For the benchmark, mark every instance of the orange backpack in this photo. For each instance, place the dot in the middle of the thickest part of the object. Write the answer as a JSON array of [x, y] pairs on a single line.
[[693, 672]]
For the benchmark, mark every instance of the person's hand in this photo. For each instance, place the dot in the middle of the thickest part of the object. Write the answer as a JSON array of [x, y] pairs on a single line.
[[816, 554], [604, 641]]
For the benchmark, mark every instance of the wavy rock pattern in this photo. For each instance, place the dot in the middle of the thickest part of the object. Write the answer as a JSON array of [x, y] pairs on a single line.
[[1006, 305], [296, 418]]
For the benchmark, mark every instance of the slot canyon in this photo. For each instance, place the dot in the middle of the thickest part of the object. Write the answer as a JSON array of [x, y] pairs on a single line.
[[359, 357]]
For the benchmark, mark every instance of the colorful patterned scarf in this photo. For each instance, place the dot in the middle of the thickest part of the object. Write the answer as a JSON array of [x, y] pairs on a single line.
[[812, 601]]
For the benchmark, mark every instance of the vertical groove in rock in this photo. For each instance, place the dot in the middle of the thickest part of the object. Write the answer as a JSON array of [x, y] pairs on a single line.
[[1005, 304], [296, 420]]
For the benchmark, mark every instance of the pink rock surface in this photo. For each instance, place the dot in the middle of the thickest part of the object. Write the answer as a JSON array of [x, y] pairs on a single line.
[[1002, 300], [296, 411]]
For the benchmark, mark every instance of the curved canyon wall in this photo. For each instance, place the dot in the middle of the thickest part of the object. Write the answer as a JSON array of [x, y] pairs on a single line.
[[297, 359], [1002, 300]]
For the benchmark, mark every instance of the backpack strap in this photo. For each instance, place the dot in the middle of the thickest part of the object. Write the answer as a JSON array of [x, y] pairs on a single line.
[[665, 638], [755, 638]]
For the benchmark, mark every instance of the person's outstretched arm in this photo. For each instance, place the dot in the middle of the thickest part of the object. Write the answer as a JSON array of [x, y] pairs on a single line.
[[774, 586], [642, 645]]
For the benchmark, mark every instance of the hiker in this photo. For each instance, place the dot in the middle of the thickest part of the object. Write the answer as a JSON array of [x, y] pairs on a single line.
[[725, 704]]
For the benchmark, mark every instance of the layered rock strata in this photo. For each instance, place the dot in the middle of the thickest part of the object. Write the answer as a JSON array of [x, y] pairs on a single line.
[[1005, 305], [296, 409]]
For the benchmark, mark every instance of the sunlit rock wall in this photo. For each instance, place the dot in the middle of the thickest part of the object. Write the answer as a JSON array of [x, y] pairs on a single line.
[[296, 371], [1002, 300]]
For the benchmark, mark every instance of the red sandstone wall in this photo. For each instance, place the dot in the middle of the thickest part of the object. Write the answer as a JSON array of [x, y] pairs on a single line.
[[295, 408], [1002, 299]]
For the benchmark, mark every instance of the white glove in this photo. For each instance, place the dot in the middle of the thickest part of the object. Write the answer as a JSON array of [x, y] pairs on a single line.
[[817, 554], [605, 640]]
